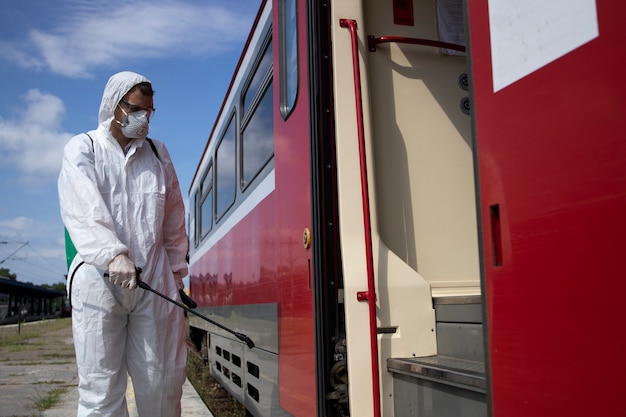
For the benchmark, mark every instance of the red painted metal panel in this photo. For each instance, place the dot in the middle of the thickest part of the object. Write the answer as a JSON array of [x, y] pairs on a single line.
[[296, 371], [552, 156], [262, 258], [241, 268]]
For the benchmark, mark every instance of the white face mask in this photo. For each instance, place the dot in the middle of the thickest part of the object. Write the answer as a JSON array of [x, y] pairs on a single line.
[[135, 125]]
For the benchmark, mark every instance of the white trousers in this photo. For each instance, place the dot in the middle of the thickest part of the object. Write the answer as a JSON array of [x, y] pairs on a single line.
[[118, 332]]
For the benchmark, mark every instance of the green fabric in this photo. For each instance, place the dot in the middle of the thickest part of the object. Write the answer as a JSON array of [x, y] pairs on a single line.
[[70, 250]]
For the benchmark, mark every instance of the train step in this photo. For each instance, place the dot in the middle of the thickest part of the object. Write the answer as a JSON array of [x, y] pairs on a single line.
[[453, 382], [460, 327], [457, 372], [438, 386]]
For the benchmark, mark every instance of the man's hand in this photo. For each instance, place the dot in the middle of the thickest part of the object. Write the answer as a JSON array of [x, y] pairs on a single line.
[[178, 277], [122, 272]]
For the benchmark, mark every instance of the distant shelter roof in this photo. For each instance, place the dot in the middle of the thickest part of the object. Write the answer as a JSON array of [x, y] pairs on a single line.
[[11, 287]]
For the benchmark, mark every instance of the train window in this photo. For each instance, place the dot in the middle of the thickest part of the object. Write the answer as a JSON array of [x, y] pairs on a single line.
[[257, 140], [206, 204], [262, 73], [192, 233], [225, 170], [257, 136], [288, 56]]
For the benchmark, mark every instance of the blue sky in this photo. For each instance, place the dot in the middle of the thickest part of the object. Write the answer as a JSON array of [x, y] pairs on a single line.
[[55, 58]]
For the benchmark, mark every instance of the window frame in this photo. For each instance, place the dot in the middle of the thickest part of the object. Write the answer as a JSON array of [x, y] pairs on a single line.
[[286, 34], [232, 122], [204, 193], [267, 82]]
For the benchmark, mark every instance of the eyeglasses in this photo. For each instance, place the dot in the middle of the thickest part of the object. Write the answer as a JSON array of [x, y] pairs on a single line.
[[135, 107]]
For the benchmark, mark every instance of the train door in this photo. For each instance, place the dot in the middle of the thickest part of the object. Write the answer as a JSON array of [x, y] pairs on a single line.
[[548, 91], [296, 374]]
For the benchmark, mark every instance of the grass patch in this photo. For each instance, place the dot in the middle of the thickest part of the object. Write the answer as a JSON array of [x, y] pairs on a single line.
[[12, 340], [58, 355], [23, 345], [50, 399], [14, 335], [54, 381], [34, 363], [218, 400], [24, 363]]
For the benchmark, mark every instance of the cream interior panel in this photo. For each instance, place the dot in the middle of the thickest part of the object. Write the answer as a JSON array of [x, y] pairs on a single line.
[[423, 160]]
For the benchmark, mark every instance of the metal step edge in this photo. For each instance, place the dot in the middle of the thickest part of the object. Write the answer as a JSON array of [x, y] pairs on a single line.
[[442, 369]]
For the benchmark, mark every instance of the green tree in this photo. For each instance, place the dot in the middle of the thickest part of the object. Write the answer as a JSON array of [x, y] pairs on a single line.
[[6, 273], [59, 286]]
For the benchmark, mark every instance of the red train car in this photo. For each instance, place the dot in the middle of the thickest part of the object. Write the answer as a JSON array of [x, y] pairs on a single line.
[[414, 208]]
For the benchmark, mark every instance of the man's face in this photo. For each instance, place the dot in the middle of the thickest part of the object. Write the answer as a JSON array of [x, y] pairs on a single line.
[[133, 102]]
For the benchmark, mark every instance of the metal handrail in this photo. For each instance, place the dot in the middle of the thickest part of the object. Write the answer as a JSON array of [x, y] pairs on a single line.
[[370, 294], [373, 41]]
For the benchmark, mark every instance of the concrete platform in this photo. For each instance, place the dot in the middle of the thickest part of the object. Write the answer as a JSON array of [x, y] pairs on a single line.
[[192, 404], [30, 371]]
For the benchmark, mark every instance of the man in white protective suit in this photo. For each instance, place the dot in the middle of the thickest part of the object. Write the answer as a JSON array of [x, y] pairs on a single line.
[[122, 207]]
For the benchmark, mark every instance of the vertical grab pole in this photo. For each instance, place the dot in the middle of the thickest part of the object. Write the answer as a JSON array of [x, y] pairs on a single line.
[[370, 295]]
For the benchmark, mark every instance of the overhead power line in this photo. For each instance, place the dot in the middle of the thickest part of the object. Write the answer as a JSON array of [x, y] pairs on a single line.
[[14, 252]]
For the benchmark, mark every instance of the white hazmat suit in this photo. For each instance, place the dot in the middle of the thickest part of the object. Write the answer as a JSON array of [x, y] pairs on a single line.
[[114, 202]]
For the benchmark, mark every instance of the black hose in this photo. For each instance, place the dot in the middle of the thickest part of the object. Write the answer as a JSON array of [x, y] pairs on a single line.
[[193, 304], [239, 336]]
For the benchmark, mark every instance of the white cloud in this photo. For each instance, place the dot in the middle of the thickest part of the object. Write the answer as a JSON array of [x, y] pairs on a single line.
[[17, 53], [13, 226], [17, 231], [93, 35], [33, 141]]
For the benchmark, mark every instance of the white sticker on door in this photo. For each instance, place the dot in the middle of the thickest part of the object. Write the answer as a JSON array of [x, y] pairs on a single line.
[[529, 34]]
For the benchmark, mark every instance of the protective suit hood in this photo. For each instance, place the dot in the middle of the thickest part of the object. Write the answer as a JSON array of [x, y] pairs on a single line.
[[118, 85]]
